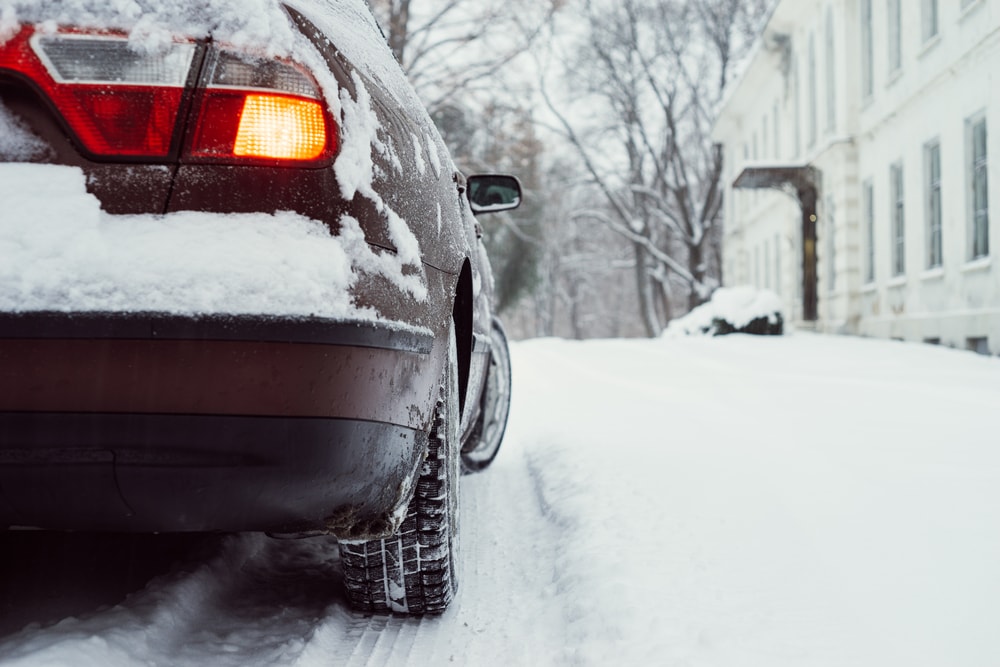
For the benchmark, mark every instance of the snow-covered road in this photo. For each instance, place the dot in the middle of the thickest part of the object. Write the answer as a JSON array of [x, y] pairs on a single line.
[[803, 500]]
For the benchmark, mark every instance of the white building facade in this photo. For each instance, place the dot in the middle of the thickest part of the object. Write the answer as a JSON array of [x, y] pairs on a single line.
[[861, 150]]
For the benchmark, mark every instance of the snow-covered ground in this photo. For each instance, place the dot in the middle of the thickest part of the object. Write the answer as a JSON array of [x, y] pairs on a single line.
[[800, 500]]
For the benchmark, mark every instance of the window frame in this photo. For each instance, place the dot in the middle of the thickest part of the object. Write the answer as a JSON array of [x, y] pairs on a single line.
[[930, 19], [830, 215], [867, 50], [977, 165], [831, 72], [897, 219], [767, 265], [756, 266], [894, 24], [777, 263], [813, 92], [797, 102], [868, 220], [776, 134], [933, 202]]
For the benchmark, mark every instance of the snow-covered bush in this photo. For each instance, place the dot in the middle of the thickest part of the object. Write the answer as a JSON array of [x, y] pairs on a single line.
[[732, 310]]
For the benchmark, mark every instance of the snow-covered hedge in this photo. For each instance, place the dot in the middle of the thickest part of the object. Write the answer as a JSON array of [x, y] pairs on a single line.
[[732, 310]]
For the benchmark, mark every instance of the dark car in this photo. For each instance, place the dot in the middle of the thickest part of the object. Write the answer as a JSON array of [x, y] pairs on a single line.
[[195, 380]]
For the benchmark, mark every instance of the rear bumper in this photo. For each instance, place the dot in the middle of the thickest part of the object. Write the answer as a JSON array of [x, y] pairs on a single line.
[[256, 366], [195, 473], [166, 423]]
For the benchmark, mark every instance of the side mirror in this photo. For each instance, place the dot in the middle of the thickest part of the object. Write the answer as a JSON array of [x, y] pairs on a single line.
[[489, 193]]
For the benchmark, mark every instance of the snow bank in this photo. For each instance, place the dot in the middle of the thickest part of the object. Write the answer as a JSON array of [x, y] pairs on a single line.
[[61, 252], [771, 501], [731, 308]]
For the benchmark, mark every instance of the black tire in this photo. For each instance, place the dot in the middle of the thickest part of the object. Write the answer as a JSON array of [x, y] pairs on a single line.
[[487, 435], [414, 571]]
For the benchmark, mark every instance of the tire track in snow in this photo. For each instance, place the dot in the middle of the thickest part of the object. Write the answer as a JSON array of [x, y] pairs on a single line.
[[503, 613], [253, 601], [256, 601], [373, 640]]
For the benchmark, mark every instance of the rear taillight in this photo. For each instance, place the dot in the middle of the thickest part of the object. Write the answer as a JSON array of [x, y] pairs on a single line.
[[122, 103], [269, 109], [117, 102]]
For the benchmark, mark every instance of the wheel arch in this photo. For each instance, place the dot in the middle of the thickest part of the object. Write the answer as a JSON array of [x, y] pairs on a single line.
[[462, 316]]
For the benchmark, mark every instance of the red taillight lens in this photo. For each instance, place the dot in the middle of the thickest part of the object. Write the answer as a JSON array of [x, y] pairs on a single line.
[[217, 124], [117, 102], [123, 103], [123, 120]]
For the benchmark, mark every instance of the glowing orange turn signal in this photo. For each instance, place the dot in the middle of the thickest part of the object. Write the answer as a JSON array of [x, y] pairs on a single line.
[[280, 127]]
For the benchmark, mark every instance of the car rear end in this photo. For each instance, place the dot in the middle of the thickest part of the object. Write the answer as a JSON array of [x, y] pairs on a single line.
[[143, 387]]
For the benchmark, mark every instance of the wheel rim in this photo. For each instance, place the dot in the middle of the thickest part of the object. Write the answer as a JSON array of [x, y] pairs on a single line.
[[496, 403]]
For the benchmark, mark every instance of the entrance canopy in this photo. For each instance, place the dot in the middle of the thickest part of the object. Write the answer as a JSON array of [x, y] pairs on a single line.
[[800, 177], [800, 181]]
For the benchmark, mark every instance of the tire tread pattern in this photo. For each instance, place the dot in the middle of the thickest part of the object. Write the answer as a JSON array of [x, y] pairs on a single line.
[[410, 573]]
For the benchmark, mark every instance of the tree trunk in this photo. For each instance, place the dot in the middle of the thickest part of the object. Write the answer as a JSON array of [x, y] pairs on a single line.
[[696, 265], [647, 308], [399, 29]]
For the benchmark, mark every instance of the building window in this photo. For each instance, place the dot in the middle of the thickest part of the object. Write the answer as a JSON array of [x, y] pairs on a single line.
[[798, 110], [898, 219], [831, 75], [930, 18], [812, 90], [979, 191], [777, 263], [764, 147], [777, 132], [932, 188], [868, 211], [756, 267], [767, 265], [894, 19], [831, 245], [867, 50]]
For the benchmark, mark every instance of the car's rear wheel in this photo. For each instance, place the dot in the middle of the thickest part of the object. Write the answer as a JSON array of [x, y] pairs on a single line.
[[484, 442], [414, 571]]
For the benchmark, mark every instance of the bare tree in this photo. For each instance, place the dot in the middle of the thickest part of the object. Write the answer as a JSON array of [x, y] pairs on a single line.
[[450, 48], [508, 143], [583, 288], [653, 72]]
